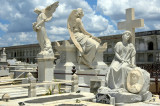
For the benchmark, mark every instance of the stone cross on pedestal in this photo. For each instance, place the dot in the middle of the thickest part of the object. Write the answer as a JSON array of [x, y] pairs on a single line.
[[130, 24]]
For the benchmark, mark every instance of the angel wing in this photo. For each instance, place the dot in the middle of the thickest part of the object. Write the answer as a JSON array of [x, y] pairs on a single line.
[[70, 25], [49, 10]]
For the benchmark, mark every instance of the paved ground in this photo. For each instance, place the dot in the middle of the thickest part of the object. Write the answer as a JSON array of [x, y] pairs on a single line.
[[18, 92]]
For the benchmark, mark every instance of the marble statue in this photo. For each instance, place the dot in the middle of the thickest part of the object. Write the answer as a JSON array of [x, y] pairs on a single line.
[[44, 15], [4, 51], [124, 76], [86, 44], [135, 81], [122, 63]]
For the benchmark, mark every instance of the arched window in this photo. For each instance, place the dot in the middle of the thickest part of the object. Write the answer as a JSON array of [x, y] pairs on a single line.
[[150, 46], [150, 58], [15, 54]]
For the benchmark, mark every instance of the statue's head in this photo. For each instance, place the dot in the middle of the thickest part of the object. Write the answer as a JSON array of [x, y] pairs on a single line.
[[127, 36], [134, 77], [79, 13], [37, 10]]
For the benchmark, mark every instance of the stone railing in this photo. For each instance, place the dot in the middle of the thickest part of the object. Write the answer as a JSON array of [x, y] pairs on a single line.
[[32, 84]]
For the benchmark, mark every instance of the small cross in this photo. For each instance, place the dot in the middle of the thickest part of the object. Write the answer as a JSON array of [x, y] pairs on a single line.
[[130, 24]]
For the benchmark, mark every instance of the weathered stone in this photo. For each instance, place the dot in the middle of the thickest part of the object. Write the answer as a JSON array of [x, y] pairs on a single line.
[[74, 87], [39, 27], [87, 45], [94, 85], [5, 97], [130, 24], [32, 87], [135, 88], [45, 69]]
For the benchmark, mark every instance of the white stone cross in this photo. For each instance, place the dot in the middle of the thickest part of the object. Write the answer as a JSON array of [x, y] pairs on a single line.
[[130, 24]]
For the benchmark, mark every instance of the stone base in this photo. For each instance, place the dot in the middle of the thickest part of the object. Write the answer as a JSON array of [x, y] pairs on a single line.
[[123, 96], [3, 58], [94, 85], [4, 73], [68, 59], [85, 76], [45, 69]]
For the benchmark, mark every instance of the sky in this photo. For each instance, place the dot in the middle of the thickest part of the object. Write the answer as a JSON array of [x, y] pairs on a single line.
[[100, 18]]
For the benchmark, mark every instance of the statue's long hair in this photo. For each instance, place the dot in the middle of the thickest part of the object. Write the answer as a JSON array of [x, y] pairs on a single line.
[[78, 13], [131, 36]]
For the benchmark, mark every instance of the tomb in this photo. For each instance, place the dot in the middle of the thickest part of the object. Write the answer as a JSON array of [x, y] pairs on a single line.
[[46, 56], [4, 70], [85, 54]]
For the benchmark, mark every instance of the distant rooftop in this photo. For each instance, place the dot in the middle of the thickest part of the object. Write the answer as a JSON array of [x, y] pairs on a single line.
[[118, 36], [146, 33]]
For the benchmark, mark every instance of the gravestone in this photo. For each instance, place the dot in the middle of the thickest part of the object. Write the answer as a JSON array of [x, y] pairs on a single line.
[[3, 56], [130, 24], [46, 56], [45, 68], [68, 53], [4, 70]]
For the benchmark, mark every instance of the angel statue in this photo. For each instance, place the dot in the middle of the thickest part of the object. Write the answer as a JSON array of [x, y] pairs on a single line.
[[44, 15], [86, 44]]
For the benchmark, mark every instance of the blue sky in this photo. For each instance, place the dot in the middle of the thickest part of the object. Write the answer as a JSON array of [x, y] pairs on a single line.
[[101, 18]]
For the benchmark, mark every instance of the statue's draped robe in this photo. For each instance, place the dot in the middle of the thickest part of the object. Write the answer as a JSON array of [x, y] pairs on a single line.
[[88, 45], [118, 71], [42, 34]]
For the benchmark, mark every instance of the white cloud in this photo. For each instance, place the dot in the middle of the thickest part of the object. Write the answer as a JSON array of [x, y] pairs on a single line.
[[157, 26], [23, 36], [95, 23], [58, 30], [21, 16], [149, 10], [4, 27], [145, 28], [20, 38], [10, 39], [110, 31]]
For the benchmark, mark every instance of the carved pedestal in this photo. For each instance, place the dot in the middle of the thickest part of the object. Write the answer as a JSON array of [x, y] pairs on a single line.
[[45, 69], [3, 58], [68, 58]]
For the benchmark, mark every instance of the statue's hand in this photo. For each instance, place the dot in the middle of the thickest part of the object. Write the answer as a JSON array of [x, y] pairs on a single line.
[[132, 66], [34, 26]]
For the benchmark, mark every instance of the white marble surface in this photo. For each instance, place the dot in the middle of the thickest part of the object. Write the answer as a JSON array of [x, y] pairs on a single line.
[[86, 43], [130, 23], [20, 91], [15, 102], [44, 15], [45, 69], [123, 65]]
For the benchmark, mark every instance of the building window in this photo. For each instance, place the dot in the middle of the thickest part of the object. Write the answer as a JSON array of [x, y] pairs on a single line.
[[109, 49], [15, 54], [150, 58], [140, 57], [150, 46]]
